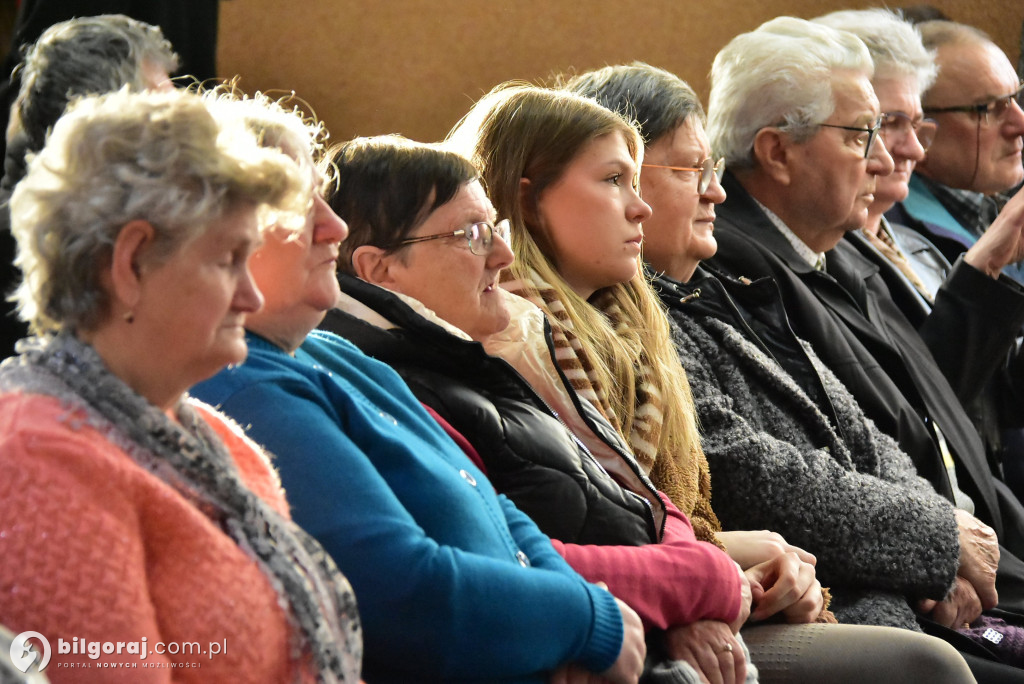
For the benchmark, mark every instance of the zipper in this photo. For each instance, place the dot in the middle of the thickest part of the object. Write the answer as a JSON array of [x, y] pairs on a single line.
[[627, 458]]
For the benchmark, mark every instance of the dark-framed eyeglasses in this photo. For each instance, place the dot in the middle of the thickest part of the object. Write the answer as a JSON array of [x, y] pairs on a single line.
[[707, 169], [994, 109], [479, 236], [897, 126], [869, 137]]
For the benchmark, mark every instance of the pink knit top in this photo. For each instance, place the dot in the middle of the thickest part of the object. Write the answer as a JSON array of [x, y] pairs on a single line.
[[94, 548]]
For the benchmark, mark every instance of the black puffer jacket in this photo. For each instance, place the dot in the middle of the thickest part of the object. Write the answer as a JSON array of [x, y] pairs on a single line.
[[534, 459]]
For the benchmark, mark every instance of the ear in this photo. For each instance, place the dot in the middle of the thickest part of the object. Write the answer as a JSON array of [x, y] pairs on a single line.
[[127, 259], [372, 264], [772, 151]]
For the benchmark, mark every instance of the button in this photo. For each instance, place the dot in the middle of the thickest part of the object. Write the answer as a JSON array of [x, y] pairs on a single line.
[[523, 560], [468, 477], [388, 417]]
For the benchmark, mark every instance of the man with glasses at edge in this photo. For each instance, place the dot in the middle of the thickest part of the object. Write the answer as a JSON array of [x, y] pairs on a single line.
[[911, 265], [961, 186], [794, 188]]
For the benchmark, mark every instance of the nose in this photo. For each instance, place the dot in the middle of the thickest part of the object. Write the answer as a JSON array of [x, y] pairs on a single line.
[[880, 161], [1014, 124], [714, 193], [905, 147], [638, 211], [327, 226], [248, 297], [501, 255]]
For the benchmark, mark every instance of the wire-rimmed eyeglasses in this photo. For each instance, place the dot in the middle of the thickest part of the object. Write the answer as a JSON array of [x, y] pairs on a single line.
[[479, 236], [871, 133], [992, 109], [707, 170], [897, 126]]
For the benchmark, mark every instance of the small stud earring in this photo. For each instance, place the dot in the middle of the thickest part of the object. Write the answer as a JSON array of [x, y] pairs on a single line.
[[129, 317]]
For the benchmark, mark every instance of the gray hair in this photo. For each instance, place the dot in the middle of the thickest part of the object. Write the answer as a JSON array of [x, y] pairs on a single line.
[[777, 75], [280, 125], [656, 100], [163, 158], [894, 43], [81, 56]]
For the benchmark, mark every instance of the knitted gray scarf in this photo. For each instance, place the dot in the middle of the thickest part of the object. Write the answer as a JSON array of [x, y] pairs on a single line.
[[190, 457]]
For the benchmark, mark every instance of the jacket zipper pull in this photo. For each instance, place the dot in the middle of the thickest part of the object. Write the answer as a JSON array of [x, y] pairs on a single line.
[[690, 297]]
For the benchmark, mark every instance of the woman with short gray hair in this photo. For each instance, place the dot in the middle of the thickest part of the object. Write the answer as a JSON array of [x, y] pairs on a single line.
[[134, 514]]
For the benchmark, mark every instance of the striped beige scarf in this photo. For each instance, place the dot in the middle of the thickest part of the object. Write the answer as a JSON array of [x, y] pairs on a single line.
[[684, 478]]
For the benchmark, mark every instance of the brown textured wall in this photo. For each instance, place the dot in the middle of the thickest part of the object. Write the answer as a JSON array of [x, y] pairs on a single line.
[[415, 66]]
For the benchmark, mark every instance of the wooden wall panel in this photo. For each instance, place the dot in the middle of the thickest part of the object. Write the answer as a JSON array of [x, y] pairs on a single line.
[[415, 66]]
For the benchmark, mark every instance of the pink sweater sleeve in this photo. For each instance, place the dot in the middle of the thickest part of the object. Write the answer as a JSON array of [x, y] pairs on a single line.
[[678, 581]]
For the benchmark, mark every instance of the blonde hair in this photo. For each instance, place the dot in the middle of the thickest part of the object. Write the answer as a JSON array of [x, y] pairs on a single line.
[[520, 131]]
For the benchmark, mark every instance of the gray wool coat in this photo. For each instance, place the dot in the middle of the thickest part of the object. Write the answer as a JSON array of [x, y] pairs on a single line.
[[882, 536]]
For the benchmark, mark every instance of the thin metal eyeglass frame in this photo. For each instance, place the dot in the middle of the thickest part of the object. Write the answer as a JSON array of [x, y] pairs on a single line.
[[872, 133], [706, 169], [502, 229], [915, 126]]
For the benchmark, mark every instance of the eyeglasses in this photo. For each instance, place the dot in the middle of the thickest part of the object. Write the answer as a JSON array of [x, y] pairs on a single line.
[[996, 108], [896, 126], [869, 141], [479, 236], [707, 169]]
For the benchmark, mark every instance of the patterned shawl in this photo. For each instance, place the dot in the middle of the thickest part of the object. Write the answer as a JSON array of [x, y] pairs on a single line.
[[189, 456], [685, 478]]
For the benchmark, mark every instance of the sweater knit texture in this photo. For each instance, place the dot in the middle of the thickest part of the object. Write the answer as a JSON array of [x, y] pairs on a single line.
[[882, 536], [454, 583], [92, 546]]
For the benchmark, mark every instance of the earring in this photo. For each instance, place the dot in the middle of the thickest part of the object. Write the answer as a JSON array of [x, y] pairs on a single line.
[[129, 317]]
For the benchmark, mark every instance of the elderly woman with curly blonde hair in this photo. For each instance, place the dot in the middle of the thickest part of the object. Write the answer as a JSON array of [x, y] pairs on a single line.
[[133, 517]]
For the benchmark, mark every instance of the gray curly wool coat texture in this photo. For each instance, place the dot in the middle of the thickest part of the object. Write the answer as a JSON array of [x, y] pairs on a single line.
[[882, 536]]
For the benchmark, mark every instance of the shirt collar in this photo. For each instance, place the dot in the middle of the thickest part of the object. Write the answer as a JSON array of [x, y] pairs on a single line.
[[815, 260]]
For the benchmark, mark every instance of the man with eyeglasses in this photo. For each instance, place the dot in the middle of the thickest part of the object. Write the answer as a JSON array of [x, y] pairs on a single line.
[[959, 188], [912, 266], [795, 188]]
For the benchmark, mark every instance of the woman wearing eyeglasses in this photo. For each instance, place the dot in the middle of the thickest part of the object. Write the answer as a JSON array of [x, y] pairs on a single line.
[[411, 281], [566, 179], [454, 583], [789, 448]]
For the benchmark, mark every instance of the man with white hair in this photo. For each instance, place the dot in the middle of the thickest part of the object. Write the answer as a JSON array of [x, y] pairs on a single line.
[[793, 112], [912, 267], [959, 188]]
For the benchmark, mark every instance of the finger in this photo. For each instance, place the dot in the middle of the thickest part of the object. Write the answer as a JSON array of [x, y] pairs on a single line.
[[805, 556], [946, 615], [808, 607], [739, 663], [688, 656], [727, 661], [708, 662], [773, 601]]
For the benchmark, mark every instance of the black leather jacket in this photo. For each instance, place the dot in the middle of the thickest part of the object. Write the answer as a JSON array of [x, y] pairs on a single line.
[[530, 454]]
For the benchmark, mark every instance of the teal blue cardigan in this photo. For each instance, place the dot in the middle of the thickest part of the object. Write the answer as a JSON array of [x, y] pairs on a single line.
[[452, 581]]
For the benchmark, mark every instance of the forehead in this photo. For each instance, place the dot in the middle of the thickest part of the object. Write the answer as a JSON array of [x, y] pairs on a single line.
[[898, 94], [603, 149], [973, 71], [854, 98], [471, 203], [687, 143]]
